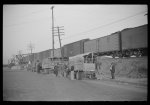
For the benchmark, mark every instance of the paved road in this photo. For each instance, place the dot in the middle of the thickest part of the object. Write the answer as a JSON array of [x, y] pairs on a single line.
[[20, 85]]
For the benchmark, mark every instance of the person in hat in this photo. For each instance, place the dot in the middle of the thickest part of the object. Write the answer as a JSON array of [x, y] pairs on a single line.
[[38, 66], [56, 70], [112, 70]]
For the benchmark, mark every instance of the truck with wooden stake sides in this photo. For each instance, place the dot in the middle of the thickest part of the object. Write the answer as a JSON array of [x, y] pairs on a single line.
[[84, 66]]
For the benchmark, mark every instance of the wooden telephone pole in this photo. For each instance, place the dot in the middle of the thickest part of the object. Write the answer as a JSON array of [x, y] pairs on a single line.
[[58, 33], [52, 30]]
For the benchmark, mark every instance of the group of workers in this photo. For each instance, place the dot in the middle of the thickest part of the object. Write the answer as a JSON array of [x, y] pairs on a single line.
[[65, 70], [61, 69]]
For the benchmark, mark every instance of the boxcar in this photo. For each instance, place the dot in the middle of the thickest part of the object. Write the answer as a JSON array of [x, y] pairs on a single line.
[[57, 53], [134, 41], [41, 56], [68, 50], [134, 38], [36, 56], [46, 54], [74, 48], [109, 43], [91, 46]]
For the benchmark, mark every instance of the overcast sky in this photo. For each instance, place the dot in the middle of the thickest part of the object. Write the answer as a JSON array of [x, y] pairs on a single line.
[[23, 24]]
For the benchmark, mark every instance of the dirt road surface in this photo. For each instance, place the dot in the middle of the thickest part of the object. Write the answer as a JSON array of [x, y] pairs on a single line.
[[22, 85]]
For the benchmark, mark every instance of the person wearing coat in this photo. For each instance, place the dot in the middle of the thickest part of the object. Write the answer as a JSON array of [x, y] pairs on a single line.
[[38, 66], [56, 70], [112, 69]]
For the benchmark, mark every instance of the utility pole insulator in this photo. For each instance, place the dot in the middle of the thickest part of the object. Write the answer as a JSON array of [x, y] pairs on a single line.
[[58, 34]]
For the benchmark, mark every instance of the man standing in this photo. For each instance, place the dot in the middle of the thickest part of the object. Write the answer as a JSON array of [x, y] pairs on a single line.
[[112, 69], [38, 66], [65, 70], [98, 68], [56, 70], [72, 73]]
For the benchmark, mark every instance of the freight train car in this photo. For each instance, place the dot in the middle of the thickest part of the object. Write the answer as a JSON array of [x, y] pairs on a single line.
[[46, 53], [68, 50], [91, 46], [134, 41], [74, 48], [107, 45], [57, 53], [41, 56], [125, 43], [36, 56]]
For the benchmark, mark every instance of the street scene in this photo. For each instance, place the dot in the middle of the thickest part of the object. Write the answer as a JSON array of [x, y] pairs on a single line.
[[75, 53]]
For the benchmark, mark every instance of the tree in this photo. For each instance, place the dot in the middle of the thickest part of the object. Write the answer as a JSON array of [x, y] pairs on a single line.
[[19, 57], [12, 61]]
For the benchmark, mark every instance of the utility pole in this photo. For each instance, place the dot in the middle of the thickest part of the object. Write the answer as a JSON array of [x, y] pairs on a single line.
[[30, 47], [58, 34], [52, 30]]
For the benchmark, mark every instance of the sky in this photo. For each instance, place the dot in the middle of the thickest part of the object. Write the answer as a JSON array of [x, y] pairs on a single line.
[[25, 24]]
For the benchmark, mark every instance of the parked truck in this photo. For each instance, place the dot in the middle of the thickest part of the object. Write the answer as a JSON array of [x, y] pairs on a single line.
[[84, 66]]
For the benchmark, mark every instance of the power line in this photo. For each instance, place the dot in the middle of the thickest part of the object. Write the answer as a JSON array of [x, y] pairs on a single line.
[[85, 32]]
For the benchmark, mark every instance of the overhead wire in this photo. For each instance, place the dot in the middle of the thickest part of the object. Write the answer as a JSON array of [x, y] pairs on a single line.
[[85, 32]]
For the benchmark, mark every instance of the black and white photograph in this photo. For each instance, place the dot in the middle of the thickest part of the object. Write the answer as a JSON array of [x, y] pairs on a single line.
[[75, 52]]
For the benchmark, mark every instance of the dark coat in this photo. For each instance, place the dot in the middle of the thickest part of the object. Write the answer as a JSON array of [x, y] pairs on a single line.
[[112, 68]]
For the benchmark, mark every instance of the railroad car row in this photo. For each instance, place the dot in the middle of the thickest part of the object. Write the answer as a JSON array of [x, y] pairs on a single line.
[[128, 42], [131, 41]]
